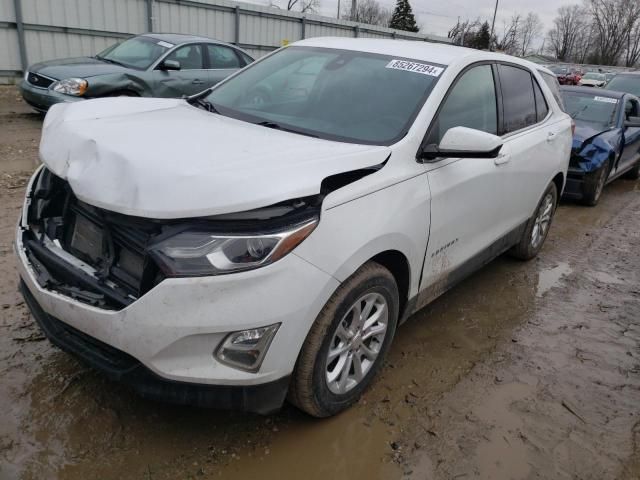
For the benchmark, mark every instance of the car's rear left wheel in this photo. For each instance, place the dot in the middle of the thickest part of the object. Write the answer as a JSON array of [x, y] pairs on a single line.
[[537, 228], [347, 343]]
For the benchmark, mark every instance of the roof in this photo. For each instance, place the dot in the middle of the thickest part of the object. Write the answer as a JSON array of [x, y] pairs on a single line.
[[592, 90], [179, 38], [419, 50]]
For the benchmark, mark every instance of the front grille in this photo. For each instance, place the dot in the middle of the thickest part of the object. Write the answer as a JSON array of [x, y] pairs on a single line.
[[115, 246], [39, 80]]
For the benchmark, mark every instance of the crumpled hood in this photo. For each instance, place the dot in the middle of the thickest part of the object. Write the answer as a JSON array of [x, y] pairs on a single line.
[[163, 158], [79, 67], [584, 132]]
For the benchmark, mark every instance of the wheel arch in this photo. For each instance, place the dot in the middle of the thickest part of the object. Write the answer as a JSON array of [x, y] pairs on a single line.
[[559, 182], [398, 264]]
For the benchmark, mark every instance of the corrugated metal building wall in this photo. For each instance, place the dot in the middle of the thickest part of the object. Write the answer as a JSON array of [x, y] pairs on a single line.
[[36, 30]]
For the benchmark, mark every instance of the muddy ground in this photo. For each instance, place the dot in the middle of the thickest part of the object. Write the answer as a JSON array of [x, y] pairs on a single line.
[[525, 370]]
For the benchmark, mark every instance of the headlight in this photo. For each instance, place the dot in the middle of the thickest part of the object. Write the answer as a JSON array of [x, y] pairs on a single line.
[[201, 252], [70, 86]]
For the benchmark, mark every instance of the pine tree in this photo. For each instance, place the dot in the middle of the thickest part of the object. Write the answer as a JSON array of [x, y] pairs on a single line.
[[482, 38], [402, 18]]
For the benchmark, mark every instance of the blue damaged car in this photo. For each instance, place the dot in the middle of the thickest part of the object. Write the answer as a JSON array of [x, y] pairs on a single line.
[[606, 141]]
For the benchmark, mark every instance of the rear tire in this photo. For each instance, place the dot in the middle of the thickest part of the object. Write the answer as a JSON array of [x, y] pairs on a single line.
[[347, 343], [594, 183], [537, 228]]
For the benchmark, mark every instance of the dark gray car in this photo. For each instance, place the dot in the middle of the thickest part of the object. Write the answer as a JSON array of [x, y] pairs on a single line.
[[149, 65]]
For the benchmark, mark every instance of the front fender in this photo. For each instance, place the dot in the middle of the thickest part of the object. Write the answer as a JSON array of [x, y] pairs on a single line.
[[106, 84], [394, 218]]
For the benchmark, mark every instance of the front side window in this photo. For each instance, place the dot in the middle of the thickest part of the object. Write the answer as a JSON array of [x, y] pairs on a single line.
[[470, 103], [189, 57], [631, 109], [137, 52], [518, 98], [343, 95], [222, 57]]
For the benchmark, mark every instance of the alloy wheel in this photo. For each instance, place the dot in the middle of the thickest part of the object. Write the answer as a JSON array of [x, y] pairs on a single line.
[[356, 343]]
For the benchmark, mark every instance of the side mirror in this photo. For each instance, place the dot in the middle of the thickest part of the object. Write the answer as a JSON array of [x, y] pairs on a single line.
[[632, 122], [463, 142], [170, 65]]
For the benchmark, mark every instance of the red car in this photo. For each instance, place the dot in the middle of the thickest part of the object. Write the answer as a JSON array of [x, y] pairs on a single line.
[[566, 75]]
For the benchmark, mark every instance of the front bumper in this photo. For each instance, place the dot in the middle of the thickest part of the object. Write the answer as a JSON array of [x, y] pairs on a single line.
[[263, 398], [575, 183], [168, 336], [42, 99]]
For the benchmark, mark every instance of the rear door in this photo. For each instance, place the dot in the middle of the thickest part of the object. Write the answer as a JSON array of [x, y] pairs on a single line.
[[631, 136], [536, 140], [190, 79], [467, 194], [222, 61]]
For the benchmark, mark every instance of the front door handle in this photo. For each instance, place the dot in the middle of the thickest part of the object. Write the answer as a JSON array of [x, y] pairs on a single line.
[[197, 81], [551, 136]]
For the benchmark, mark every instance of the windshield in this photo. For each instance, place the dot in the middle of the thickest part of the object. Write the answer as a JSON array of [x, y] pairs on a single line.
[[137, 52], [595, 111], [593, 76], [625, 83], [339, 95]]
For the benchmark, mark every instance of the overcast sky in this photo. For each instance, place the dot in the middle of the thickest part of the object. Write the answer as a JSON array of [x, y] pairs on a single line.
[[438, 16]]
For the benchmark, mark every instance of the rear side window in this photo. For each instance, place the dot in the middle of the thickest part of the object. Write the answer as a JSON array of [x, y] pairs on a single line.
[[222, 57], [518, 98], [542, 109], [471, 103], [554, 86]]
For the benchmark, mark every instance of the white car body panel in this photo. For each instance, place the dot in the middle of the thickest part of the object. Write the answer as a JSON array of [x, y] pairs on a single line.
[[164, 159], [185, 162], [586, 82]]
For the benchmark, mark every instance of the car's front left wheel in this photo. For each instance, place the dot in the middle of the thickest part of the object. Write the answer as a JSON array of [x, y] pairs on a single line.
[[347, 343]]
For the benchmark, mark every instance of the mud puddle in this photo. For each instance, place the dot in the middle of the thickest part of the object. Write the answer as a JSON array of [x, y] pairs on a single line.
[[64, 421]]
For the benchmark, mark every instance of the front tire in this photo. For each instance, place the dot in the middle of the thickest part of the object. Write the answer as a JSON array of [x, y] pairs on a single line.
[[594, 183], [347, 343], [537, 228]]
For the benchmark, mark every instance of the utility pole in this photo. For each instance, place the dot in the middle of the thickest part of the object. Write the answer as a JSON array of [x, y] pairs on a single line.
[[493, 24], [353, 10], [338, 16]]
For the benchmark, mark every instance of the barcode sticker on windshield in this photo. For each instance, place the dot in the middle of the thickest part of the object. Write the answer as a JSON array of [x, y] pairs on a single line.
[[415, 67], [165, 44], [605, 99]]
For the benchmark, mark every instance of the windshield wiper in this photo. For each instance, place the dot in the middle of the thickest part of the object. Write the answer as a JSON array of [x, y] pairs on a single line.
[[108, 60], [277, 126], [206, 104]]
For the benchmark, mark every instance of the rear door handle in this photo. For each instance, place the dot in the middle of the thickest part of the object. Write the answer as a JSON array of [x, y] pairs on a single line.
[[197, 81], [551, 136]]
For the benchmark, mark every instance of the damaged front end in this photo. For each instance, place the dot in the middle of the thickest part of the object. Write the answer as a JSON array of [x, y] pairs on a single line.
[[588, 155], [109, 260]]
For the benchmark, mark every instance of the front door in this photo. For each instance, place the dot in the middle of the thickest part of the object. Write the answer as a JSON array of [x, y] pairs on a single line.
[[631, 137], [467, 195], [190, 79]]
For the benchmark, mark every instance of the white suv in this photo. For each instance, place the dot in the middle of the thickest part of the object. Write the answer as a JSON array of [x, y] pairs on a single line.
[[263, 240]]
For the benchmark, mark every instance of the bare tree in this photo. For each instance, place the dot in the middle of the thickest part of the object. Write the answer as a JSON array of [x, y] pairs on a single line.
[[368, 11], [567, 25], [304, 6], [507, 42], [529, 30], [613, 21], [632, 52], [461, 33]]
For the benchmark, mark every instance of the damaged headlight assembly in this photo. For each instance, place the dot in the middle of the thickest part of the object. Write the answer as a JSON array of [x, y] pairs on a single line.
[[71, 86], [193, 253]]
